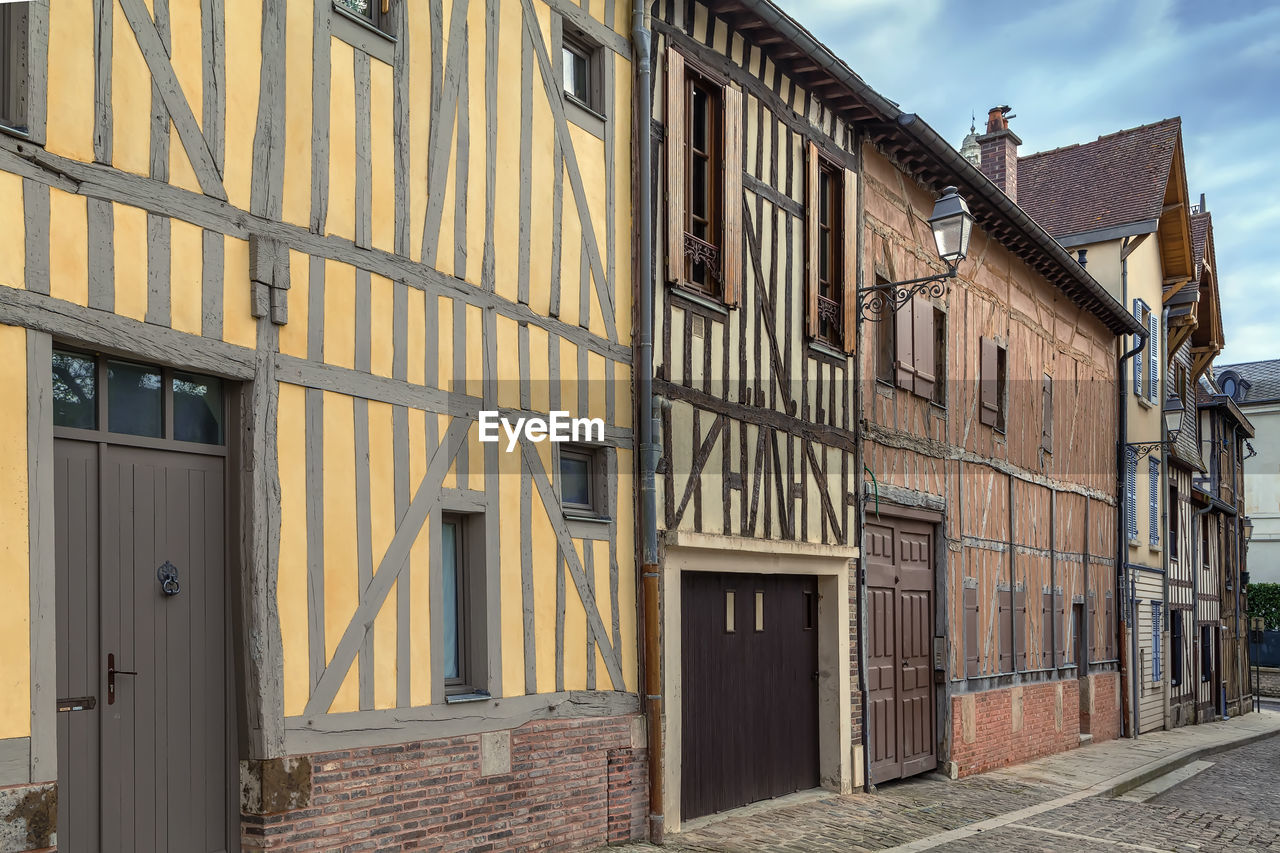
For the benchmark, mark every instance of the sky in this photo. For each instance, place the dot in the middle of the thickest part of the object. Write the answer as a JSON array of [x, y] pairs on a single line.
[[1074, 70]]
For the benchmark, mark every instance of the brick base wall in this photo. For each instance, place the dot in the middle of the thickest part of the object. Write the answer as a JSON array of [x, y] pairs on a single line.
[[1104, 718], [1268, 681], [1011, 725], [562, 783]]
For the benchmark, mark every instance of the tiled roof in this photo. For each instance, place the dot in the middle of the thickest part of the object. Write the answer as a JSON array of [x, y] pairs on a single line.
[[1201, 226], [1117, 180], [1263, 378]]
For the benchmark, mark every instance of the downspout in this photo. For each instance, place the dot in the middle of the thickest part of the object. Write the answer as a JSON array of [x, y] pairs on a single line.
[[1238, 586], [1198, 518], [1122, 534], [642, 45]]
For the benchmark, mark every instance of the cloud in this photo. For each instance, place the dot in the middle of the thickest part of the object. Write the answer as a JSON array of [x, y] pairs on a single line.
[[1079, 69]]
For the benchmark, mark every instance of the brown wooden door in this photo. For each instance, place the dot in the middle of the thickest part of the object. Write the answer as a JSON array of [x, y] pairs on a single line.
[[749, 689], [149, 767], [900, 695]]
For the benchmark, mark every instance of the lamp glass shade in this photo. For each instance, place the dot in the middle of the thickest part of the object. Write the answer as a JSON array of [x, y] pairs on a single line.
[[1246, 528], [952, 226], [1173, 412]]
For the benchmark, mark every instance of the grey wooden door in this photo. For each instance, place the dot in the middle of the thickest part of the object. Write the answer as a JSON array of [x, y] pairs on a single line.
[[901, 716], [149, 766]]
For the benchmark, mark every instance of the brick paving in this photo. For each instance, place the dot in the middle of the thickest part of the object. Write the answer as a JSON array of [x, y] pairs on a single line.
[[1233, 805]]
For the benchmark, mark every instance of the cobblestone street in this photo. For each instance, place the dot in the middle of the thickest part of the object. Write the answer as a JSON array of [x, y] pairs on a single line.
[[1232, 803]]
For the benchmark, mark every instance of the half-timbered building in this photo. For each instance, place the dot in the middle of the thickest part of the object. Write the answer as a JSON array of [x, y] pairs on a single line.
[[1120, 204], [769, 148], [991, 430], [262, 266]]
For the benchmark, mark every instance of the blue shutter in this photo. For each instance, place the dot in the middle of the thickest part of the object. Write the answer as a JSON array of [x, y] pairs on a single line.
[[1155, 641], [1153, 478], [1153, 358], [1131, 493], [1139, 363]]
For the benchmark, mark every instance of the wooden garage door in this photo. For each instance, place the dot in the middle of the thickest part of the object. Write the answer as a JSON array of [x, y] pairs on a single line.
[[900, 694], [749, 688]]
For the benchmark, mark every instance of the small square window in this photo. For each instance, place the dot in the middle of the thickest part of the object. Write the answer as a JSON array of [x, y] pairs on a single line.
[[75, 390], [582, 473], [580, 69]]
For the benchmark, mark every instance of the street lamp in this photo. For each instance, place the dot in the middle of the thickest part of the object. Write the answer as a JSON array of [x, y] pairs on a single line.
[[952, 225], [1246, 528], [1173, 414]]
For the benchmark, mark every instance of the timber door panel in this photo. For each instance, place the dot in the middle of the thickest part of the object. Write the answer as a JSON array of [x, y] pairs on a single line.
[[748, 687], [166, 746], [79, 677], [902, 717]]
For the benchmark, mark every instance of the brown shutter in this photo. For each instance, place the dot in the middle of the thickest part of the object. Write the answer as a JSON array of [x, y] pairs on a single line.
[[1060, 638], [1020, 630], [811, 213], [675, 146], [987, 383], [904, 322], [1004, 627], [922, 352], [1092, 627], [1110, 628], [731, 251], [1046, 630], [849, 256], [971, 632]]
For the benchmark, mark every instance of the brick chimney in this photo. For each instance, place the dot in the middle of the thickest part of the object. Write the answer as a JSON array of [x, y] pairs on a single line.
[[1000, 151]]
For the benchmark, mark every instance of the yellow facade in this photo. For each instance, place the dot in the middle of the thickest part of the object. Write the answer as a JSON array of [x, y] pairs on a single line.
[[380, 354]]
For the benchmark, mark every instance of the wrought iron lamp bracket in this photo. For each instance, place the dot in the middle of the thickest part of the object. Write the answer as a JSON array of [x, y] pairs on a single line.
[[1140, 449], [881, 301]]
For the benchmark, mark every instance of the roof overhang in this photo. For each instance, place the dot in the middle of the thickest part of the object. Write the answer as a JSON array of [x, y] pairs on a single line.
[[1115, 232], [919, 150]]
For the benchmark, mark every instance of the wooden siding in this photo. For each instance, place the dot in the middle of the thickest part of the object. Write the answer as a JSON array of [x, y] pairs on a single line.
[[1001, 492], [406, 274]]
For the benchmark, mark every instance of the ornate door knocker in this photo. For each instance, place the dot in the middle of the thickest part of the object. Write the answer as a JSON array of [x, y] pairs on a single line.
[[168, 577]]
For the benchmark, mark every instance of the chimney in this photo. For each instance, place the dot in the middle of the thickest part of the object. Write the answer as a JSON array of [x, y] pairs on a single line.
[[1000, 151]]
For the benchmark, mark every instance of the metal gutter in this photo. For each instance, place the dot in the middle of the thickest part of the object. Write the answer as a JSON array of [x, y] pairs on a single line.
[[642, 45]]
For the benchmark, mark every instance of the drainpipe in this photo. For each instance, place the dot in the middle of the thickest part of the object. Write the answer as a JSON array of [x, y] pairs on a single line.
[[649, 451], [1198, 519], [1122, 467], [1121, 524]]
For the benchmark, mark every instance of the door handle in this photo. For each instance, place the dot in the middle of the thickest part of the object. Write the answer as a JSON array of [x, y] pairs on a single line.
[[112, 672], [905, 665]]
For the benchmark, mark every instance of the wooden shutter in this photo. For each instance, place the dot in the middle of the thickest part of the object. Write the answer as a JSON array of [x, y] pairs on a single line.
[[849, 273], [1046, 630], [1092, 628], [971, 632], [903, 333], [731, 250], [988, 388], [812, 210], [1153, 357], [922, 348], [1156, 644], [1005, 627], [1109, 627], [1020, 630], [1046, 433], [1153, 478], [675, 147], [1139, 365], [1131, 494], [1060, 639]]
